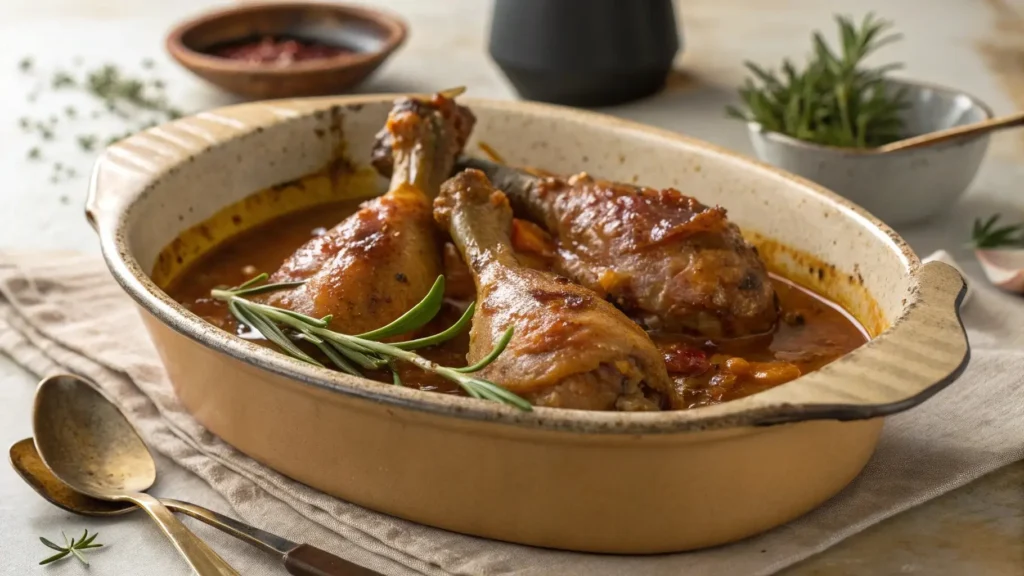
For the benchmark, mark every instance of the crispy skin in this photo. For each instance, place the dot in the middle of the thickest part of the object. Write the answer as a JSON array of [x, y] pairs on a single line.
[[571, 348], [670, 262], [370, 268], [376, 264]]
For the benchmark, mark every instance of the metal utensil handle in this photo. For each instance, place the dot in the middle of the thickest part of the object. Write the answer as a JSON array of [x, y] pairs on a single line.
[[299, 559], [265, 540], [306, 560], [199, 556]]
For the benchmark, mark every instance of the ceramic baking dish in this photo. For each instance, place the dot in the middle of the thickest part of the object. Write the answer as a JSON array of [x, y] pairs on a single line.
[[591, 481]]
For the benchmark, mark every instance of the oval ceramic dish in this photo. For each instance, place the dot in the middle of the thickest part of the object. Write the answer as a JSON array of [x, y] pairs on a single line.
[[590, 481]]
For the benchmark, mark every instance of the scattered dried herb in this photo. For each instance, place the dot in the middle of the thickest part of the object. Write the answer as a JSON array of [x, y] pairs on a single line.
[[61, 80], [835, 100], [87, 142], [140, 101]]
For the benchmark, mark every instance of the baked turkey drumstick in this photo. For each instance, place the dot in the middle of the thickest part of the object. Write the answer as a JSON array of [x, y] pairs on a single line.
[[668, 261], [381, 261], [570, 348]]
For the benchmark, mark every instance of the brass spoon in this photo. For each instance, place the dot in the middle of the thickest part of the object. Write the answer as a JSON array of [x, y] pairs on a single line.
[[87, 443], [972, 129], [299, 559]]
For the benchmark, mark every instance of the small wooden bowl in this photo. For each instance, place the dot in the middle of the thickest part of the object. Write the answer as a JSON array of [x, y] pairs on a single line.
[[373, 35]]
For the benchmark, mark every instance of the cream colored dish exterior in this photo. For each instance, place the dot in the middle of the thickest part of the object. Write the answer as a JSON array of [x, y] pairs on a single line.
[[603, 482]]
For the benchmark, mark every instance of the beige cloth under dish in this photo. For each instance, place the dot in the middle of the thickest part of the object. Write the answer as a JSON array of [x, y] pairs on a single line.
[[64, 312]]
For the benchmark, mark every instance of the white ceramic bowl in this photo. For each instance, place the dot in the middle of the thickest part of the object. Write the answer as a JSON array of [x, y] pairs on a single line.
[[902, 187]]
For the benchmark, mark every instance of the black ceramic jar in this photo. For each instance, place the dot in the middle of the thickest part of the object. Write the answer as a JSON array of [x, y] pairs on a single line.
[[584, 52]]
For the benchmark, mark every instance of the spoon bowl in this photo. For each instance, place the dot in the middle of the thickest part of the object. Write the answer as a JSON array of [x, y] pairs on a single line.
[[89, 445], [93, 447], [26, 462]]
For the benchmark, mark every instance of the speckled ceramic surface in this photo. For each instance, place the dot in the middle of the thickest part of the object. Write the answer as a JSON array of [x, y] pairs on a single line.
[[557, 478], [900, 187]]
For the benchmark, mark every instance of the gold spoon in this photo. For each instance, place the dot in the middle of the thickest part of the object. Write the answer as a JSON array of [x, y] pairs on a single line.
[[87, 443], [299, 559], [973, 129]]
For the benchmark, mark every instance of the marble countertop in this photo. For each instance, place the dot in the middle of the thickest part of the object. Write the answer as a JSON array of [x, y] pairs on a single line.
[[972, 44]]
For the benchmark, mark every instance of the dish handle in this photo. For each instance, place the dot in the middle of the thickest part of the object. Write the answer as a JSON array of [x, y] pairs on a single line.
[[923, 352], [110, 187]]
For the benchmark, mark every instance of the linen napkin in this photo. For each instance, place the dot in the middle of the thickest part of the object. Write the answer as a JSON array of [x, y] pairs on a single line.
[[63, 312]]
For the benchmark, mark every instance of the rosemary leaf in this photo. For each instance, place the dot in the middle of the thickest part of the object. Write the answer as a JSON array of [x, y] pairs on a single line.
[[254, 290], [357, 355], [262, 277], [270, 331], [333, 355], [55, 557], [347, 352], [299, 316], [444, 336], [492, 391], [50, 544], [499, 347], [415, 318], [473, 391]]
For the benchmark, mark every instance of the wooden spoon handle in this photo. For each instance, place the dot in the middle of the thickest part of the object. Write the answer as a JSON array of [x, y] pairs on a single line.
[[197, 553], [974, 129]]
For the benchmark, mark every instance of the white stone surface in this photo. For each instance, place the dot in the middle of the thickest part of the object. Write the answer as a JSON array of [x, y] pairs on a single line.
[[447, 47]]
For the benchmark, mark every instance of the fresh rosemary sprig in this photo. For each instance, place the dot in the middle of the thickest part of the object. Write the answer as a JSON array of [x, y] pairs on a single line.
[[835, 100], [351, 354], [72, 548], [986, 234]]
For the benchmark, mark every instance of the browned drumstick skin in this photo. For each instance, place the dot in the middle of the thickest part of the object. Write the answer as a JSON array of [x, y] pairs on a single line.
[[667, 260], [570, 348], [378, 263]]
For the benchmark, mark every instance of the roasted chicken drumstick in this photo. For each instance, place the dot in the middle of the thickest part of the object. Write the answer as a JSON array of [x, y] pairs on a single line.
[[376, 264], [671, 263], [571, 348]]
